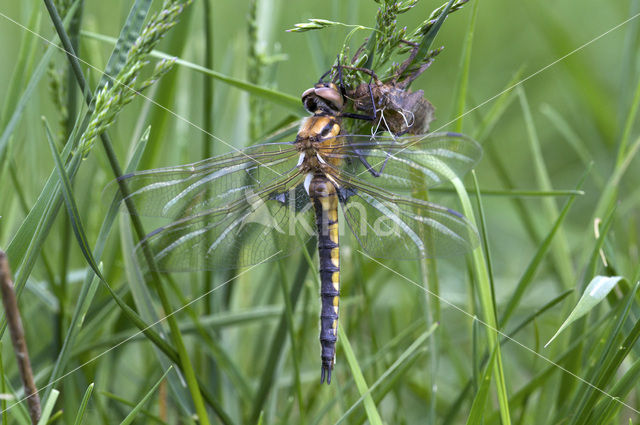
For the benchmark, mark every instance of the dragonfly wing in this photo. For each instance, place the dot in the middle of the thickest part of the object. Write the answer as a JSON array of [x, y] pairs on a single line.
[[187, 190], [259, 227], [390, 226], [406, 163]]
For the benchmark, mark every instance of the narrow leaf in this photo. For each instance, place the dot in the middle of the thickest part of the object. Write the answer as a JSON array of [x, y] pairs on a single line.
[[134, 412], [595, 292], [143, 300], [395, 368], [72, 209], [465, 66], [130, 31], [85, 297], [532, 268], [48, 407], [363, 388], [83, 405], [480, 401], [37, 75], [428, 38], [290, 102]]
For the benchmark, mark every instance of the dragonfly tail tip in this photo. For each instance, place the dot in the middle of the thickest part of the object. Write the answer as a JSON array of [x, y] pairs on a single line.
[[325, 373]]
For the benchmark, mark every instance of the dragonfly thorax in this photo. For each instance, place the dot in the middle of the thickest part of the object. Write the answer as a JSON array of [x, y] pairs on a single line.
[[317, 139], [319, 134]]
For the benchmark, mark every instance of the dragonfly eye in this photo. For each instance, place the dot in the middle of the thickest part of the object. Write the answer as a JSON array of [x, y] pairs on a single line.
[[322, 98], [332, 96], [310, 103]]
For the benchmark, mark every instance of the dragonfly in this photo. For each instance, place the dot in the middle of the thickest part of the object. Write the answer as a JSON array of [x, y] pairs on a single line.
[[249, 206]]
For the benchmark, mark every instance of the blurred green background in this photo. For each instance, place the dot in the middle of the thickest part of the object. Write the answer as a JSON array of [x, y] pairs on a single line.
[[570, 112]]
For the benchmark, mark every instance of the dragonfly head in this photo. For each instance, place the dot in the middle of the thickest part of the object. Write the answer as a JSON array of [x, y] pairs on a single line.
[[323, 99]]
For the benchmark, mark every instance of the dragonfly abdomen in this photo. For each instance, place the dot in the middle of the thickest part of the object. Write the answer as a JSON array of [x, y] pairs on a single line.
[[325, 201]]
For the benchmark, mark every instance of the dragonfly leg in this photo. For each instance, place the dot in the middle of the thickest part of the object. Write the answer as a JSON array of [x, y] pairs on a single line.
[[366, 164], [343, 91], [384, 164], [358, 116], [374, 112], [320, 80]]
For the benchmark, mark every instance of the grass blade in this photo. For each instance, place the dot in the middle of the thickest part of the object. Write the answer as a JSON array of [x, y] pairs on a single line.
[[402, 359], [28, 46], [276, 96], [596, 291], [608, 407], [488, 306], [358, 377], [83, 405], [295, 353], [134, 412], [427, 40], [498, 108], [458, 404], [480, 401], [572, 138], [128, 35], [27, 241], [85, 298], [142, 299], [628, 126], [149, 39], [532, 267], [266, 381], [610, 360], [28, 91], [72, 209], [167, 88], [629, 58], [560, 247], [47, 409], [465, 67]]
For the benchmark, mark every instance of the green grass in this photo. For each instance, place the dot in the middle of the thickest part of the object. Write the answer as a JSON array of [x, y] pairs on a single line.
[[455, 341]]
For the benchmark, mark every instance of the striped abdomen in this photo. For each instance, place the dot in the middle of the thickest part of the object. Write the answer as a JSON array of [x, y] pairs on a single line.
[[325, 201]]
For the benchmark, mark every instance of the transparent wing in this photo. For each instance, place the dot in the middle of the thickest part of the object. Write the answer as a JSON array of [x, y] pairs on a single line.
[[259, 226], [391, 226], [186, 190], [405, 163]]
